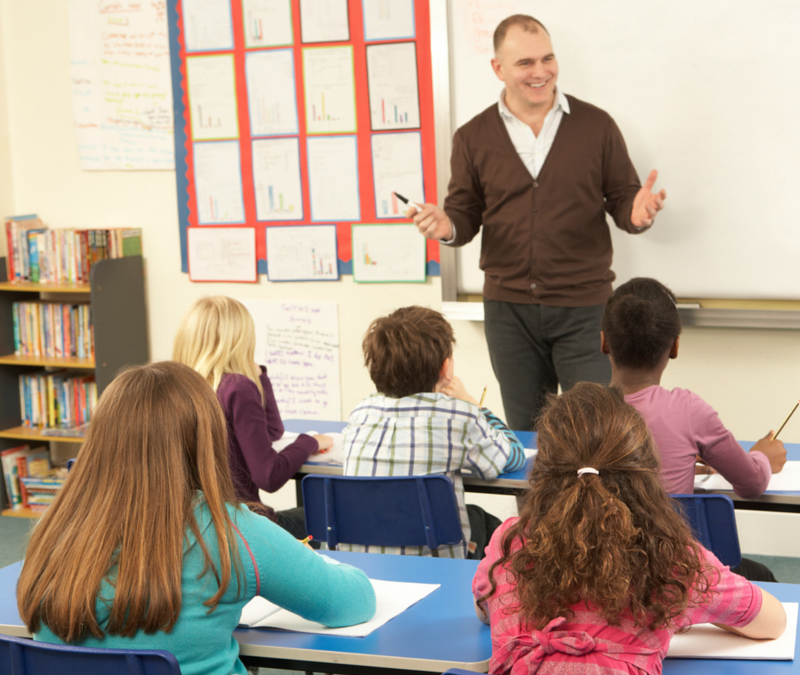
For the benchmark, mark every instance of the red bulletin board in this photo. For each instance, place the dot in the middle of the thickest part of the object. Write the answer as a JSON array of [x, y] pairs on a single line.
[[188, 211]]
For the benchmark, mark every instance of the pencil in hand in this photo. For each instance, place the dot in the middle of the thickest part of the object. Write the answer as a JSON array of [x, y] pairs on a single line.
[[788, 417]]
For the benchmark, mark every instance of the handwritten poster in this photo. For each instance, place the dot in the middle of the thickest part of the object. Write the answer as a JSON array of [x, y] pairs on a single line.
[[298, 342], [121, 84]]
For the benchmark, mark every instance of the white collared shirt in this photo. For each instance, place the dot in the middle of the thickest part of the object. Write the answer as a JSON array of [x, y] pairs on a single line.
[[531, 149]]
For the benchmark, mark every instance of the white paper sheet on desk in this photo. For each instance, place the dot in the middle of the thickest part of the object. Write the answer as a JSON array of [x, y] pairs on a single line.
[[333, 456], [393, 598], [706, 641], [788, 480]]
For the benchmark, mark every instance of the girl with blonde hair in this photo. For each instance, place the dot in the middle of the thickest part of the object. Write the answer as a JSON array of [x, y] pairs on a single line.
[[217, 338], [599, 570], [146, 547]]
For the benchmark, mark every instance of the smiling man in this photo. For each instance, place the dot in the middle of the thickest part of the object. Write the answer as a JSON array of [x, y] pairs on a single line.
[[538, 170]]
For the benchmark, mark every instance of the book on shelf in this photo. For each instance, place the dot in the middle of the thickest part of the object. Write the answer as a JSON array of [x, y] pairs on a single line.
[[22, 462], [57, 402], [52, 329], [42, 489], [41, 255]]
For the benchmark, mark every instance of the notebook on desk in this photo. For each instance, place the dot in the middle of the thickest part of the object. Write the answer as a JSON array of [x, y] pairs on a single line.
[[393, 598], [706, 641], [788, 480], [334, 456]]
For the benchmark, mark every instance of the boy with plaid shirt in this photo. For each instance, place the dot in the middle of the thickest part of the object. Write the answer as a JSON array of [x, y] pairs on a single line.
[[422, 421]]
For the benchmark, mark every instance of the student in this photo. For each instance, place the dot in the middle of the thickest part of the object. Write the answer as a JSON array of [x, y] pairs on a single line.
[[640, 333], [641, 329], [217, 338], [146, 547], [423, 421], [598, 571]]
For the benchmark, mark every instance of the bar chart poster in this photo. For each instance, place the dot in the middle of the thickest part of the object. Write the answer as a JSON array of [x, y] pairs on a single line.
[[304, 114]]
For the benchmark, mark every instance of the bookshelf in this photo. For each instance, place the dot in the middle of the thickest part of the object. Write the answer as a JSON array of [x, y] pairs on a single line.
[[116, 296]]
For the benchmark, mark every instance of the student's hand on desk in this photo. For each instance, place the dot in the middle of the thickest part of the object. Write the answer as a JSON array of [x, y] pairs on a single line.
[[701, 468], [456, 389], [774, 450], [325, 442], [646, 204], [431, 222]]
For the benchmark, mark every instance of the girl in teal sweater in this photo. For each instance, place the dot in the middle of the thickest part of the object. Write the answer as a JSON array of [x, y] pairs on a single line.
[[146, 548]]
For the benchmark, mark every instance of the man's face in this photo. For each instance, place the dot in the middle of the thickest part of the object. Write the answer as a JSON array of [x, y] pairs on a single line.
[[526, 64]]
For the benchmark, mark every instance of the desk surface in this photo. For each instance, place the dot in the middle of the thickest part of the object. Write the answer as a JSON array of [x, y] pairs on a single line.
[[514, 481], [439, 632]]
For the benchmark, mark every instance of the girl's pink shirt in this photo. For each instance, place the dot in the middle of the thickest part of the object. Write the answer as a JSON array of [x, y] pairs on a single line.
[[586, 643], [684, 425]]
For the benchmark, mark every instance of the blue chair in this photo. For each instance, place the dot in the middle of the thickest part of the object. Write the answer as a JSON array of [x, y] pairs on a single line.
[[19, 656], [712, 520], [392, 511]]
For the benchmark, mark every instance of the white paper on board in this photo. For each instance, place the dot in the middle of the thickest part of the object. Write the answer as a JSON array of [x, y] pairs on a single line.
[[222, 254], [393, 86], [298, 342], [276, 175], [212, 97], [388, 19], [324, 21], [333, 178], [267, 23], [271, 92], [218, 182], [330, 94], [397, 167], [385, 253], [207, 24], [302, 253], [121, 86]]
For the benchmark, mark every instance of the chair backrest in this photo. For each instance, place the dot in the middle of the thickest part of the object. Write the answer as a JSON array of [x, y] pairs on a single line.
[[713, 522], [393, 511], [19, 656]]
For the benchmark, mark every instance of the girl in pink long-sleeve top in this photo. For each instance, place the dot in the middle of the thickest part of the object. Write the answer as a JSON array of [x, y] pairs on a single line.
[[217, 338], [599, 571], [641, 333]]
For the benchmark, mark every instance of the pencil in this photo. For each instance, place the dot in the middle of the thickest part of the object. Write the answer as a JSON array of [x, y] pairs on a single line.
[[483, 397], [307, 539], [788, 417]]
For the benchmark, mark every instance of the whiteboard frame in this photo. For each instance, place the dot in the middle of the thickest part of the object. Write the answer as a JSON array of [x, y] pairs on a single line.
[[444, 129]]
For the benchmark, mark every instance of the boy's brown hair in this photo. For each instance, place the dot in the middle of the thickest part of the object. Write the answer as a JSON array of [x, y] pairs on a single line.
[[404, 352]]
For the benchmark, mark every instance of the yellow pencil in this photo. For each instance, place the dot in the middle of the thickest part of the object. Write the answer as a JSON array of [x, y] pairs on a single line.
[[483, 397], [788, 417], [307, 539]]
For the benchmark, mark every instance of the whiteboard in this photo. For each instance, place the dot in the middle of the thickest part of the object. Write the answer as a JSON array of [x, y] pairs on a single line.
[[708, 93]]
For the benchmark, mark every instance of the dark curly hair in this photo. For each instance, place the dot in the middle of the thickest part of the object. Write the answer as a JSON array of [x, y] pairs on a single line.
[[641, 323], [613, 540]]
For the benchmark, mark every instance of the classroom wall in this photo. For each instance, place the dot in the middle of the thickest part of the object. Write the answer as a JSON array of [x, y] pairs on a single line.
[[6, 178], [749, 376]]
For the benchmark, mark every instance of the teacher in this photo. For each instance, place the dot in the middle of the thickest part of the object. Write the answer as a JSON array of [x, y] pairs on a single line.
[[539, 170]]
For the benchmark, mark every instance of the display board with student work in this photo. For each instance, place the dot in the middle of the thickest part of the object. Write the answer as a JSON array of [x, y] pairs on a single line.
[[705, 95], [295, 123]]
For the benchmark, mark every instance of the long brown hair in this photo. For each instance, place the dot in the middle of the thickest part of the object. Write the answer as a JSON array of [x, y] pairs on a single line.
[[613, 540], [157, 438]]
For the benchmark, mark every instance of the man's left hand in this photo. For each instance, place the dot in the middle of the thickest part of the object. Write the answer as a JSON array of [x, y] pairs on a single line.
[[646, 204]]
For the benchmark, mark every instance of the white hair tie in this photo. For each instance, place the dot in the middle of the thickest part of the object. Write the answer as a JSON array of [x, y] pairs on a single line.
[[588, 469]]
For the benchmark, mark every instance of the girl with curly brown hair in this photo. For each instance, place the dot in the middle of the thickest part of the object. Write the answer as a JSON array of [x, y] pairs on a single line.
[[599, 570]]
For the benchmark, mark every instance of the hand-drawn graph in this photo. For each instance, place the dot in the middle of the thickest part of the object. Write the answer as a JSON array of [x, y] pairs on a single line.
[[393, 88], [330, 89], [276, 174]]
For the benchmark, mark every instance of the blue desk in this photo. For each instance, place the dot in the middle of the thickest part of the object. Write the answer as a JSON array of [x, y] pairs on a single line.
[[513, 482], [438, 633]]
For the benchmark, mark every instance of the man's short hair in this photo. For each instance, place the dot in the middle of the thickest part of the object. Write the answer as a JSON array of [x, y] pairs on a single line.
[[404, 352], [527, 23]]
